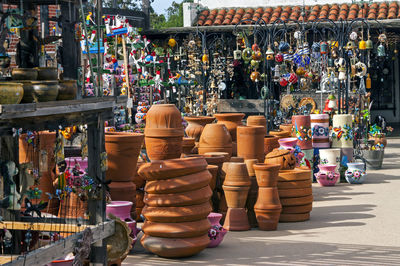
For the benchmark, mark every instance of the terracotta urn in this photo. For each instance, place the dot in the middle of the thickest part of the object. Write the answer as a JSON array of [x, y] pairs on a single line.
[[270, 143], [249, 165], [257, 120], [237, 175], [302, 130], [284, 158], [320, 130], [215, 138], [123, 150], [237, 159], [231, 121], [236, 220], [163, 132], [177, 230], [120, 209], [216, 233], [188, 145], [267, 174], [236, 196], [250, 142], [196, 125]]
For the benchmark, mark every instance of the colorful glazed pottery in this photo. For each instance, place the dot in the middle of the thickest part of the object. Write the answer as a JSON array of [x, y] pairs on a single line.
[[355, 173], [302, 130], [342, 131], [216, 233], [320, 130]]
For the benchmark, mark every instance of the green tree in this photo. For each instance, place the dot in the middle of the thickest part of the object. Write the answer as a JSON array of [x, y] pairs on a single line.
[[174, 16]]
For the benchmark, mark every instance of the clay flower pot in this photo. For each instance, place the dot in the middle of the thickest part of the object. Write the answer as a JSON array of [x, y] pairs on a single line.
[[237, 159], [268, 199], [213, 169], [302, 129], [196, 125], [120, 209], [236, 220], [123, 150], [249, 165], [216, 233], [177, 230], [284, 158], [163, 132], [215, 138], [236, 196], [267, 219], [257, 120], [236, 175], [267, 174], [250, 142], [231, 121], [270, 143], [188, 145]]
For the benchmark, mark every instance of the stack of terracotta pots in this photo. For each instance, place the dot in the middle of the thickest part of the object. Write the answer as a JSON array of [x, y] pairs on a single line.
[[295, 195], [236, 187], [253, 192], [268, 207], [139, 183], [250, 142], [163, 132], [215, 138], [258, 120], [196, 125], [177, 203], [231, 121], [123, 150]]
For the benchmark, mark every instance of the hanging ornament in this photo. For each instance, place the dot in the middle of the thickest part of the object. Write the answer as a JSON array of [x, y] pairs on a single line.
[[353, 36], [255, 47], [332, 102], [381, 50], [324, 47], [254, 63], [293, 78], [270, 54], [350, 45], [237, 54], [369, 45], [172, 42], [361, 69], [256, 55], [279, 58], [382, 37], [247, 54], [283, 82], [255, 76], [368, 82], [362, 45]]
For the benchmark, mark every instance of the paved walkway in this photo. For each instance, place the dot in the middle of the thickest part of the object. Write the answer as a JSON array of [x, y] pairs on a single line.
[[349, 225]]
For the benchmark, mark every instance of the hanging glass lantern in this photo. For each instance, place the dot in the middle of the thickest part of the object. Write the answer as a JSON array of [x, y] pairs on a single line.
[[381, 50]]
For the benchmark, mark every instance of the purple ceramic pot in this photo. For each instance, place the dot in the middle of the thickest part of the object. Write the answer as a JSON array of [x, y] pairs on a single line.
[[120, 209], [135, 231], [72, 161], [216, 232], [288, 143]]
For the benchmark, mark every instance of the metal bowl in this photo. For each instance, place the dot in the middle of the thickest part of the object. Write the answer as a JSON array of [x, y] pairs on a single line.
[[47, 73], [11, 92], [45, 90], [67, 90], [24, 74]]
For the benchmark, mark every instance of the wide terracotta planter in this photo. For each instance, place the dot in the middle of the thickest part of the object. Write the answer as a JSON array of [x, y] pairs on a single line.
[[267, 174], [294, 192], [188, 145], [302, 129], [231, 121], [177, 214], [294, 175], [188, 198], [257, 120], [295, 184], [267, 219], [294, 217], [320, 130], [268, 199], [215, 138], [284, 158], [163, 132], [236, 220], [177, 230], [123, 150], [160, 170], [175, 247], [270, 143], [236, 196], [213, 169], [250, 142], [297, 209], [297, 201], [179, 184], [196, 125], [237, 175]]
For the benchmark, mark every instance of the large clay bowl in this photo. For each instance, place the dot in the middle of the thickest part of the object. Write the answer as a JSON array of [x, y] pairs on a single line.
[[231, 121], [67, 90], [161, 170], [179, 184], [175, 247], [24, 74], [45, 90], [28, 91], [294, 217], [177, 230], [11, 92], [177, 214], [295, 184], [297, 201], [47, 73], [295, 192], [297, 209], [192, 197], [294, 175], [163, 147], [196, 125]]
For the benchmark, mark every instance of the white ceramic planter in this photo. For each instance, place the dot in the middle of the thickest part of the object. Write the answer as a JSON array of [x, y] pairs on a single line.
[[330, 156], [342, 131], [355, 173]]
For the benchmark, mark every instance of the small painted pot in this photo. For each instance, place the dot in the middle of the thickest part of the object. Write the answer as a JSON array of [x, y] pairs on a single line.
[[355, 174], [288, 143], [143, 103], [140, 118], [143, 108], [216, 233], [327, 179]]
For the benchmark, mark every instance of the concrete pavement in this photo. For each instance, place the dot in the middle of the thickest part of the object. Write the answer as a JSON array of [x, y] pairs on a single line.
[[349, 225]]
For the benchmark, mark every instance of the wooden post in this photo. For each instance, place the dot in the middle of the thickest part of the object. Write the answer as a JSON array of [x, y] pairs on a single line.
[[146, 11], [70, 55], [97, 208], [126, 67]]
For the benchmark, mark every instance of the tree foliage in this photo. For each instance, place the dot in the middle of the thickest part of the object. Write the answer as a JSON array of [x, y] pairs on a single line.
[[174, 16]]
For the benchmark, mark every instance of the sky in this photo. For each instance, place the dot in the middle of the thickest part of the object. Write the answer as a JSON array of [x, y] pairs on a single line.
[[161, 5]]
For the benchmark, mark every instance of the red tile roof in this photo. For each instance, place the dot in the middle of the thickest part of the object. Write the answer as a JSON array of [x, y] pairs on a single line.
[[217, 17]]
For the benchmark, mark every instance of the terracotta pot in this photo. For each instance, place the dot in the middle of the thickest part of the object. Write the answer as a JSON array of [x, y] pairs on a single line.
[[188, 145], [215, 138], [342, 134], [179, 184], [294, 217], [280, 133], [163, 132], [250, 140], [137, 179], [123, 150], [236, 159], [123, 191], [236, 220], [175, 247], [192, 197], [267, 219], [177, 214], [177, 230], [213, 169], [139, 198], [295, 192], [210, 155], [270, 143], [120, 209], [297, 209], [236, 175], [295, 184], [294, 175], [286, 127], [67, 90], [236, 196], [231, 121], [196, 125], [257, 120], [320, 130], [268, 199], [284, 158], [297, 201], [161, 170], [216, 233], [302, 129], [267, 174], [249, 165]]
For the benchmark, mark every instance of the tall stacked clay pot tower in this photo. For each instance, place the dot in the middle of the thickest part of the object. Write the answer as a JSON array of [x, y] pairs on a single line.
[[123, 150], [320, 130], [163, 132], [295, 193], [215, 138], [177, 203], [236, 187], [268, 207], [250, 142], [253, 192], [231, 121], [257, 120]]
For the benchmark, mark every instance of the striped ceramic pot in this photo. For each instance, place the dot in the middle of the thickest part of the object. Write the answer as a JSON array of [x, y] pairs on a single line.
[[320, 130]]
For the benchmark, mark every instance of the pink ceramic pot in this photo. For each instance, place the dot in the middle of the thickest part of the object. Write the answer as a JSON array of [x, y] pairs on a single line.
[[135, 231], [72, 161], [120, 209], [216, 233], [288, 143], [326, 168], [327, 179]]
